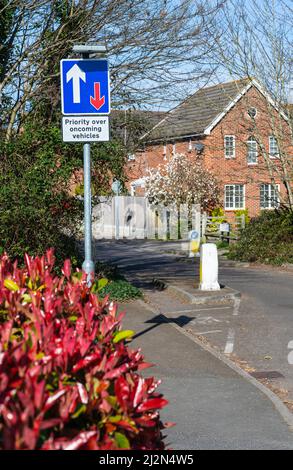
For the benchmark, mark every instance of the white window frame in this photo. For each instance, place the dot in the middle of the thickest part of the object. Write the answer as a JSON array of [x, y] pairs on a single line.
[[234, 146], [273, 155], [270, 185], [249, 141], [131, 157], [234, 208]]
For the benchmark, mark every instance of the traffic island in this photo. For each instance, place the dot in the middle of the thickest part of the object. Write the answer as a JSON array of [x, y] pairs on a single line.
[[189, 292]]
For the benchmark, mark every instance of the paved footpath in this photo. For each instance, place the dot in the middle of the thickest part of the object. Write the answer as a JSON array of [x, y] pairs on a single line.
[[213, 406]]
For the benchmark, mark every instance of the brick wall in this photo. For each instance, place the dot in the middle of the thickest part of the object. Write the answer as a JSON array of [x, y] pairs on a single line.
[[236, 170]]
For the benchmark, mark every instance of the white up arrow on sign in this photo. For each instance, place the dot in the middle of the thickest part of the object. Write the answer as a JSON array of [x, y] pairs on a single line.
[[75, 74]]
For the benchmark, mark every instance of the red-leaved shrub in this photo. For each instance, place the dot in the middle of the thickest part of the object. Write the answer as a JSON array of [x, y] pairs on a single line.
[[67, 378]]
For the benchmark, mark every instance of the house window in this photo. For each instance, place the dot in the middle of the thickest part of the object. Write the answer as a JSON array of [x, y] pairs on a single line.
[[251, 151], [252, 112], [234, 196], [131, 157], [273, 147], [229, 144], [269, 196]]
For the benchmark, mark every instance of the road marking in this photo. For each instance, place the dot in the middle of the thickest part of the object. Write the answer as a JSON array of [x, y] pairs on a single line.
[[199, 310], [290, 355], [236, 307], [230, 341], [208, 332], [205, 320]]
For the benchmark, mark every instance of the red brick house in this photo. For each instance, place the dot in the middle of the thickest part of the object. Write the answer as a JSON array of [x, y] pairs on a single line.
[[238, 132]]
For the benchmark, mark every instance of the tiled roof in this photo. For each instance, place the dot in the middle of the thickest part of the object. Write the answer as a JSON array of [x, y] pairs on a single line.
[[197, 112], [132, 124]]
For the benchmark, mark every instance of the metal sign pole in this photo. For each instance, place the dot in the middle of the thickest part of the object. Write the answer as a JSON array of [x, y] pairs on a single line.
[[85, 98], [88, 264]]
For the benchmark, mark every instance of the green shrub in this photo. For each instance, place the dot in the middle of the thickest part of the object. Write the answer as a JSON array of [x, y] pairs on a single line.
[[37, 208], [267, 239], [108, 271], [218, 212], [218, 217], [244, 212], [120, 290], [222, 244]]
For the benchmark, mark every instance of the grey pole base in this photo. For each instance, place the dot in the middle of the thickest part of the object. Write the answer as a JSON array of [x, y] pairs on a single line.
[[88, 267]]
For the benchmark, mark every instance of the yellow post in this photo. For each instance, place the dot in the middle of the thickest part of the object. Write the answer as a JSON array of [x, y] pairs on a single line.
[[194, 243]]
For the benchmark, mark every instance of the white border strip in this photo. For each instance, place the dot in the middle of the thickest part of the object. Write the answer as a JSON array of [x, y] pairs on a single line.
[[62, 84]]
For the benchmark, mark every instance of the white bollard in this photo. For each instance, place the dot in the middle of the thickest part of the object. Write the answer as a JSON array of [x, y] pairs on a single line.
[[209, 267]]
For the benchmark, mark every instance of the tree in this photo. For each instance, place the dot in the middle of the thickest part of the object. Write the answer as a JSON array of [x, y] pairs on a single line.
[[39, 178], [256, 42], [154, 47], [183, 181]]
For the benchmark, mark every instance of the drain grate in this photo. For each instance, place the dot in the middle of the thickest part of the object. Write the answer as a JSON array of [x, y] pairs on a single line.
[[267, 374]]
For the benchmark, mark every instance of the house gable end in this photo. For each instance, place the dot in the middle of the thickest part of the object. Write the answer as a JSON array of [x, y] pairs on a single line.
[[254, 83]]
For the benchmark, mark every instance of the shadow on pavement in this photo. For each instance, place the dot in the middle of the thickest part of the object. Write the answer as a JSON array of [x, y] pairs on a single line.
[[158, 320]]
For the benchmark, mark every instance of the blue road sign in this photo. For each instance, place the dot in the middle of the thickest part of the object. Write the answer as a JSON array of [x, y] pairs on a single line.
[[85, 86]]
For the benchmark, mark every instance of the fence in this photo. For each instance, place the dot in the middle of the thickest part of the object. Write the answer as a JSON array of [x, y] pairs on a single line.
[[134, 217], [210, 227]]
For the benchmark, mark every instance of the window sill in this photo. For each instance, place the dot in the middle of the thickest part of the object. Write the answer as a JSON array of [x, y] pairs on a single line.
[[252, 164], [235, 209]]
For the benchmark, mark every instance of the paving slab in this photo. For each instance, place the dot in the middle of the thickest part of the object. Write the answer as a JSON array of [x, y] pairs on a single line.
[[189, 292]]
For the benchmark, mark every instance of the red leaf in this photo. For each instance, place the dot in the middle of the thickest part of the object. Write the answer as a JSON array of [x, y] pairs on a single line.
[[28, 262], [53, 398], [125, 425], [139, 392], [152, 404], [50, 423], [90, 359], [67, 268], [39, 394], [82, 393], [145, 365], [30, 438], [117, 372], [80, 440], [122, 391]]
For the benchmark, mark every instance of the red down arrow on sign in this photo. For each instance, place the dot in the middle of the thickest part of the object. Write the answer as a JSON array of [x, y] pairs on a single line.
[[97, 101]]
